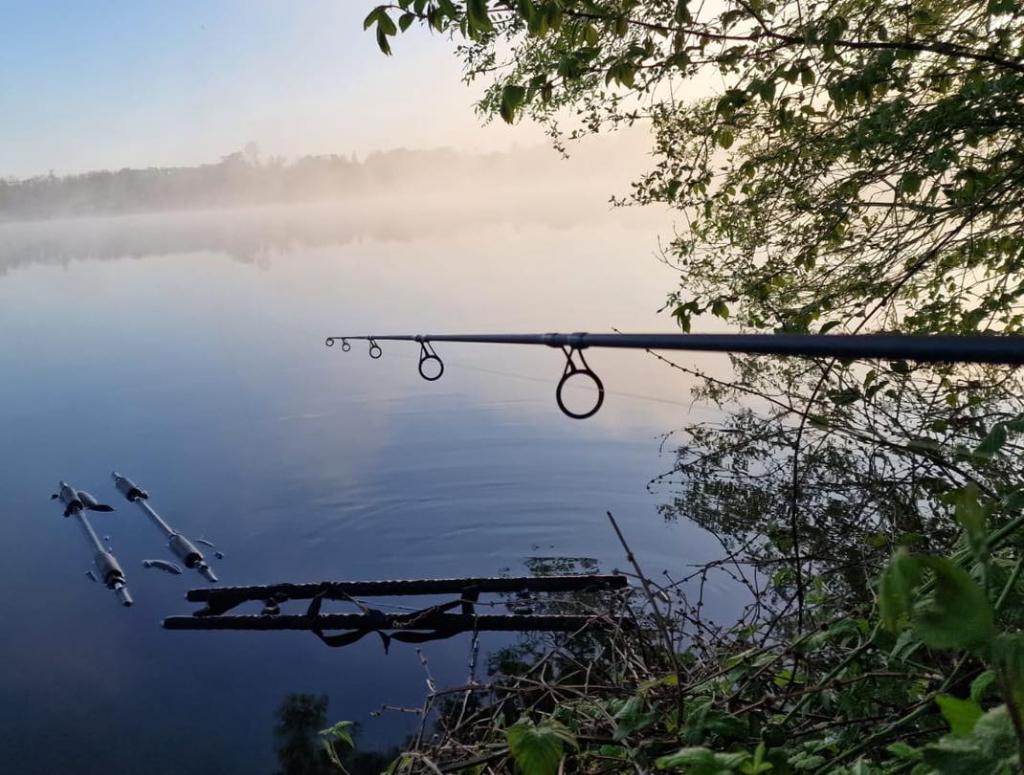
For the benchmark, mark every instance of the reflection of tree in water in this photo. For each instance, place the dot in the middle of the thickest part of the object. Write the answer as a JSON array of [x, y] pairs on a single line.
[[880, 448], [529, 646], [302, 719], [300, 746]]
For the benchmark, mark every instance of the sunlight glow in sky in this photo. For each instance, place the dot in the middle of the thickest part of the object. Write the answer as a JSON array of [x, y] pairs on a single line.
[[114, 83]]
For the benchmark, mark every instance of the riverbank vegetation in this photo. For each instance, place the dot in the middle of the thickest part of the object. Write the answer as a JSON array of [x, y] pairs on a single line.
[[836, 167]]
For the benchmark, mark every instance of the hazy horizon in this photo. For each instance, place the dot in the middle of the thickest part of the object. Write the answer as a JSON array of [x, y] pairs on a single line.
[[126, 85], [597, 169]]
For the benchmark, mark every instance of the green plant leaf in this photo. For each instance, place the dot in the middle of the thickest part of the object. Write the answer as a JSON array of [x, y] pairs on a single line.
[[910, 183], [1014, 500], [373, 16], [342, 733], [957, 614], [632, 717], [701, 761], [382, 40], [512, 98], [757, 764], [980, 684], [961, 715], [993, 441], [538, 748], [1008, 661], [479, 16], [970, 513], [899, 581], [904, 751], [990, 748]]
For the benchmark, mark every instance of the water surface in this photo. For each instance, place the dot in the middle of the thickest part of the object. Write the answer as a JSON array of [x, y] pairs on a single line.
[[187, 351]]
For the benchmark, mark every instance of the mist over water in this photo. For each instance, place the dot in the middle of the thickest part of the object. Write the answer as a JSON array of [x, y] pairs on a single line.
[[186, 350]]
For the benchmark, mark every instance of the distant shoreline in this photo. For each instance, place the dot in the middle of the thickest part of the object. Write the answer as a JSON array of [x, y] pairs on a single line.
[[242, 180]]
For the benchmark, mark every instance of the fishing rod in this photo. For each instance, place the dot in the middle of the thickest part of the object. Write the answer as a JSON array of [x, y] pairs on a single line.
[[76, 503], [184, 549], [997, 349]]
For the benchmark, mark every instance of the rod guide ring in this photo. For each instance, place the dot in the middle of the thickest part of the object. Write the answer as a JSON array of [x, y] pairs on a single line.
[[427, 354], [572, 370]]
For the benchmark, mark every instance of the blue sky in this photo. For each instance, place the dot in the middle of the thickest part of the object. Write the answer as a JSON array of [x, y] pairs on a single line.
[[111, 83]]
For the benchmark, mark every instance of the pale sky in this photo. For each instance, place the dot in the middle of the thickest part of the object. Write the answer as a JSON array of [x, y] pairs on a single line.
[[120, 83]]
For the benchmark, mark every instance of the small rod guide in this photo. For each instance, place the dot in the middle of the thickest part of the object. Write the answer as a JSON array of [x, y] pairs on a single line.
[[179, 545]]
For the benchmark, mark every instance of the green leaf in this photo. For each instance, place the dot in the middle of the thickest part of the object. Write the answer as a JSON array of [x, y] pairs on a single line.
[[961, 715], [980, 684], [632, 718], [720, 309], [957, 615], [682, 13], [512, 98], [342, 732], [904, 751], [538, 749], [990, 748], [997, 7], [701, 761], [1008, 661], [993, 441], [405, 20], [899, 581], [373, 16], [398, 763], [526, 9], [479, 16], [970, 513], [386, 23], [382, 41], [757, 765], [1014, 500], [910, 183]]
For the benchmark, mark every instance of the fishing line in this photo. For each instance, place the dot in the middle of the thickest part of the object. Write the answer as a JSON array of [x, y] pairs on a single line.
[[619, 393]]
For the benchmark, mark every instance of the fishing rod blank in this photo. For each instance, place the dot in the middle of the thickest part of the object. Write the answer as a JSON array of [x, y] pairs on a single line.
[[1002, 350], [76, 503], [184, 549]]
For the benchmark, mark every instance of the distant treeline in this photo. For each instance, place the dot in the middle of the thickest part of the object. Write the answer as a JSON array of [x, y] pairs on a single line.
[[242, 179]]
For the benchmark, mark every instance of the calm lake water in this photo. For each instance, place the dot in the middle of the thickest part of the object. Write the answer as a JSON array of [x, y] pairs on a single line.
[[187, 352]]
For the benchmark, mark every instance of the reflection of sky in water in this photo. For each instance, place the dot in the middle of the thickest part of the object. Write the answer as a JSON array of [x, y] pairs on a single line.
[[206, 380]]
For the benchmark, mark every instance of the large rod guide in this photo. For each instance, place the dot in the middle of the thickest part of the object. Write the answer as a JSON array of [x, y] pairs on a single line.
[[108, 570], [996, 349], [179, 545]]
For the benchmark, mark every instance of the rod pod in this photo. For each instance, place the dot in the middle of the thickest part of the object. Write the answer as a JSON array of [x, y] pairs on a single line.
[[108, 570], [179, 545]]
